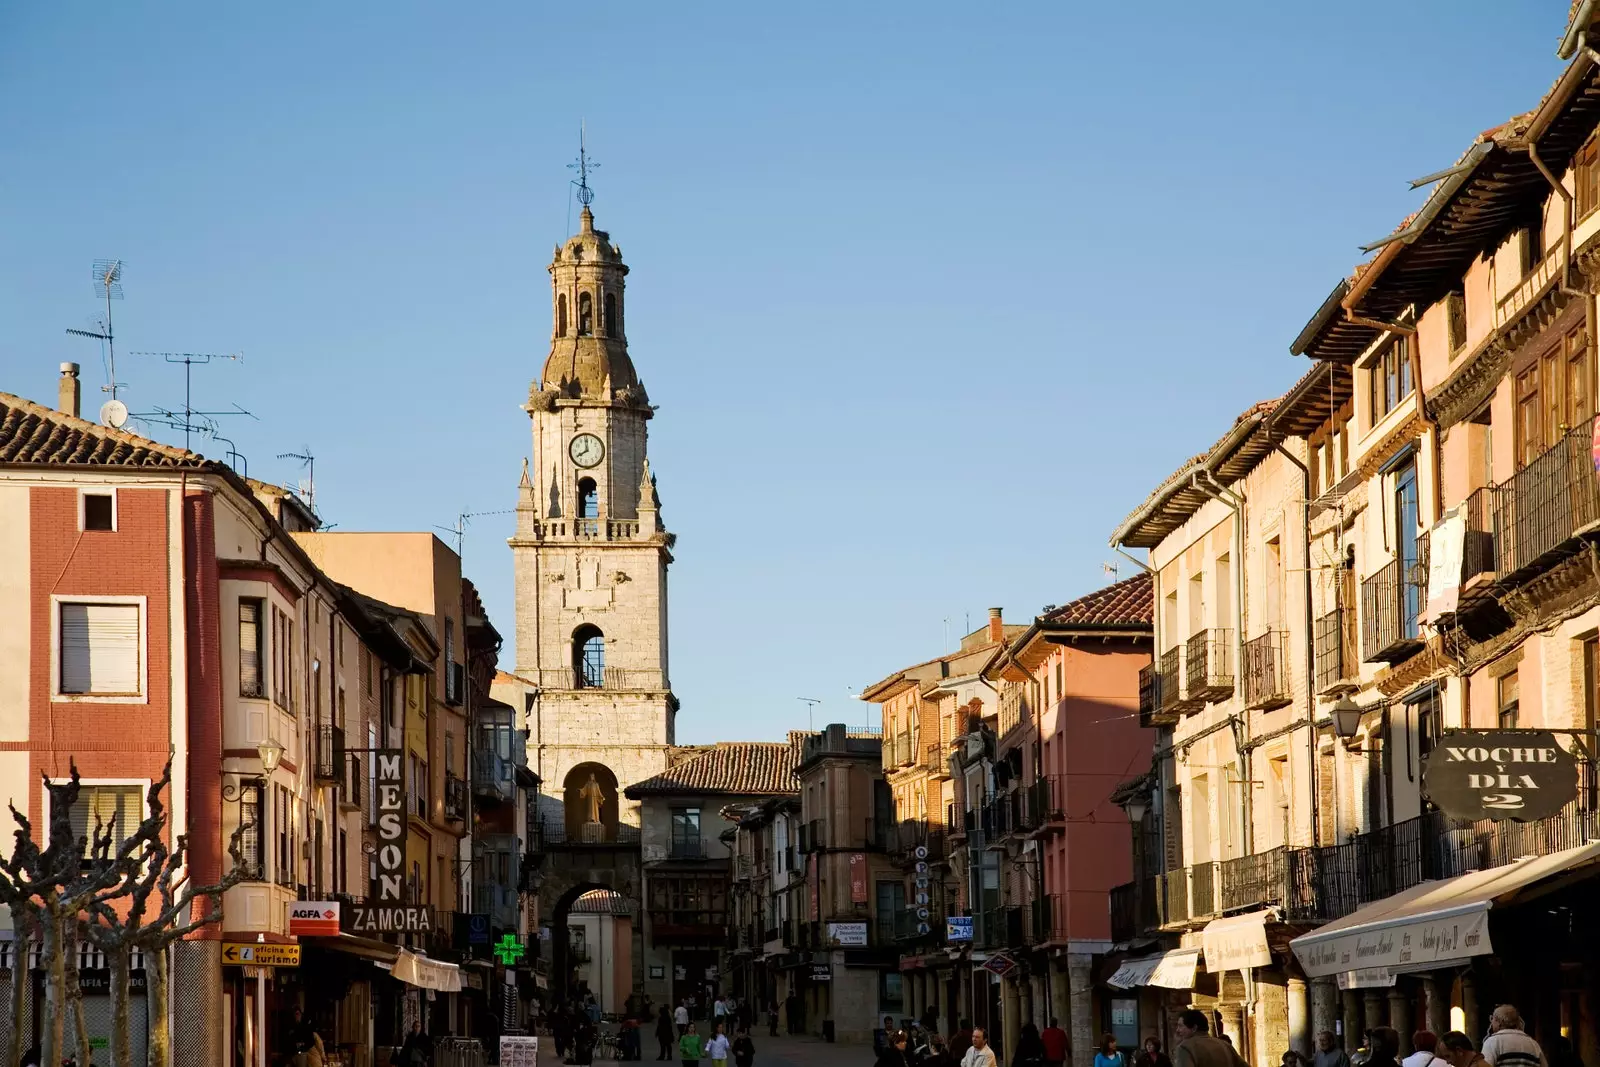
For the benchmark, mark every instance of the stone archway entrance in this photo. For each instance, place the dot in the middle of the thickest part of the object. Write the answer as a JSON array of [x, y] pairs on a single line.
[[573, 868]]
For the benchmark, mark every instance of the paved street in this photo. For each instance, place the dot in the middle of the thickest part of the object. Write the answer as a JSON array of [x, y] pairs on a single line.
[[780, 1051]]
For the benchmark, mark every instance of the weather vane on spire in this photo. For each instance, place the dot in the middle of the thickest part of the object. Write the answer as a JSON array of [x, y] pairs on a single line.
[[583, 166]]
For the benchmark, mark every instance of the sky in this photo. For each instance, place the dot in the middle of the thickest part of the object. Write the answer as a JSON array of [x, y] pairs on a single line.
[[930, 295]]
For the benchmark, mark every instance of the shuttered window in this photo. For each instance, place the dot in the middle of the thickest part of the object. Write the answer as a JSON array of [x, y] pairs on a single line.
[[251, 648], [100, 808], [100, 649]]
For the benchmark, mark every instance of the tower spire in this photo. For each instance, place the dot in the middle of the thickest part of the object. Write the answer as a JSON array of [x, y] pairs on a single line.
[[583, 165]]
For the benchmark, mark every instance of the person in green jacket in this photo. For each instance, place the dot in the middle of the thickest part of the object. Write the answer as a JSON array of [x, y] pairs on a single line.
[[689, 1047]]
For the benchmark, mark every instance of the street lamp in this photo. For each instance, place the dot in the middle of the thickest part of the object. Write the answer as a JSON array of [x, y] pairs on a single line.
[[1136, 807], [1346, 718], [270, 752]]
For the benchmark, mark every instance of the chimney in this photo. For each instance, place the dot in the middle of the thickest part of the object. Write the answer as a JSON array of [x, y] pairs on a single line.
[[71, 392], [997, 628]]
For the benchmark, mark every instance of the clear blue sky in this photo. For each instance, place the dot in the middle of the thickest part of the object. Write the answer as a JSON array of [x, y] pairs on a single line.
[[930, 295]]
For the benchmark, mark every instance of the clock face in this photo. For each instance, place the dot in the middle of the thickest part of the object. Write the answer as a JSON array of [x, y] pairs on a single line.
[[587, 450]]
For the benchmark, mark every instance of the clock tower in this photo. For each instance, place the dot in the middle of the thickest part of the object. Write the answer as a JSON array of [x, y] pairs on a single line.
[[591, 554]]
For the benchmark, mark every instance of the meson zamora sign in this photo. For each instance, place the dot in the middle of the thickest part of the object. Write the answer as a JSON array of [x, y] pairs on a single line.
[[1499, 774]]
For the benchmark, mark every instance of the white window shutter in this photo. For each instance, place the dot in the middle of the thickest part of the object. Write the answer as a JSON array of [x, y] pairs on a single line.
[[100, 648]]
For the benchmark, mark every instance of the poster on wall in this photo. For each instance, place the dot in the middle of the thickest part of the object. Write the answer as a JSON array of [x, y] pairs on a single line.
[[858, 877], [522, 1051]]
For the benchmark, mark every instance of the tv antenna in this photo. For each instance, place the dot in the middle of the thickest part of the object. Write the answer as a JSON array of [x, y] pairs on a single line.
[[309, 462], [811, 705], [235, 458], [460, 528], [583, 165], [107, 286], [192, 420]]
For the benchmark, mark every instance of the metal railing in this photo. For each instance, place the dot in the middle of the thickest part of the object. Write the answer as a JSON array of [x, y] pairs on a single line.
[[1203, 890], [687, 849], [1478, 555], [1175, 896], [1255, 881], [1125, 911], [330, 753], [553, 832], [455, 798], [1548, 501], [1332, 666], [1391, 606], [1168, 688], [1151, 710], [1208, 667], [493, 775], [1266, 671]]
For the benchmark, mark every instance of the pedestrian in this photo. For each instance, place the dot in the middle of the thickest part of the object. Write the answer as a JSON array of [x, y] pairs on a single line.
[[681, 1016], [1424, 1043], [719, 1009], [1459, 1051], [980, 1054], [961, 1040], [717, 1048], [1151, 1055], [689, 1047], [772, 1018], [744, 1049], [880, 1036], [1107, 1055], [938, 1053], [1030, 1048], [1055, 1044], [666, 1034], [1507, 1045], [1385, 1042], [417, 1051], [30, 1058], [893, 1054], [1291, 1058], [791, 1011], [1328, 1053], [315, 1052], [1196, 1046]]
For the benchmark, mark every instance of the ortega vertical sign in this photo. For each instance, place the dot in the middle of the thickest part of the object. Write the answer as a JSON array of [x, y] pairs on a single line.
[[391, 913], [1499, 774]]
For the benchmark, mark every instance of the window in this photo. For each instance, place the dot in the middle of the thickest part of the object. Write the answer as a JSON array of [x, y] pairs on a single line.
[[282, 660], [561, 315], [588, 499], [1554, 394], [250, 837], [613, 316], [1407, 549], [1391, 378], [100, 649], [686, 833], [99, 511], [451, 682], [251, 648], [1532, 244], [1507, 697], [102, 809], [585, 314], [1429, 713], [589, 657], [339, 709], [1456, 319], [449, 752], [283, 820]]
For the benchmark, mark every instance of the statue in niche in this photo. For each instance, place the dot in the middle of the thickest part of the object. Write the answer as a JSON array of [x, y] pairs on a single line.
[[594, 799]]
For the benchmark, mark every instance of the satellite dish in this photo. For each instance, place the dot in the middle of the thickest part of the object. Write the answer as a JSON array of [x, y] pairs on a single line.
[[114, 413]]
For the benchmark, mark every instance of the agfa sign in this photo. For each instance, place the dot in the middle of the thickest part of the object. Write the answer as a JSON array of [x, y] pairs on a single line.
[[1499, 774]]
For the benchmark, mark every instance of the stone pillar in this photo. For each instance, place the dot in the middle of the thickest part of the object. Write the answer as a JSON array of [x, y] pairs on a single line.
[[1324, 1006], [913, 988], [1024, 1001], [1469, 1007], [1010, 1019], [1060, 1000], [1041, 999], [1372, 1011], [963, 996], [1400, 1017], [1436, 989], [1299, 1017], [1080, 992], [1233, 1025], [1353, 1021]]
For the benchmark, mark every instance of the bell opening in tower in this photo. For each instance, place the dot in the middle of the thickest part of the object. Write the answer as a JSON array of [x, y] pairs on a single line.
[[585, 314], [589, 657]]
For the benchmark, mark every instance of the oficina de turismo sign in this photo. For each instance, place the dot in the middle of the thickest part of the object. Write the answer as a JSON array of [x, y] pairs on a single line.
[[1500, 774]]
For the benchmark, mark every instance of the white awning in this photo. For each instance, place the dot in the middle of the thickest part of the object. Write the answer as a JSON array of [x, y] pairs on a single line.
[[424, 973], [1170, 970], [1237, 943], [1432, 924]]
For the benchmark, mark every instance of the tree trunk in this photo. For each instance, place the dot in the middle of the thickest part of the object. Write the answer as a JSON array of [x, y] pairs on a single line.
[[121, 1039], [155, 998], [80, 1024], [55, 982], [19, 973]]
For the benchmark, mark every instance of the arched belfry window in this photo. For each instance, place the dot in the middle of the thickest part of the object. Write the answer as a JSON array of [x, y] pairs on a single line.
[[589, 657], [561, 315], [588, 499], [613, 327], [585, 314]]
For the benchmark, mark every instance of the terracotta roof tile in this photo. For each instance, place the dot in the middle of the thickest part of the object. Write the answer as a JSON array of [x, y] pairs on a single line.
[[33, 433], [1129, 602], [740, 768]]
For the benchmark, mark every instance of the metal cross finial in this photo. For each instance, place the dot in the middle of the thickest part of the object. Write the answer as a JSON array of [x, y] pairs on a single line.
[[583, 166]]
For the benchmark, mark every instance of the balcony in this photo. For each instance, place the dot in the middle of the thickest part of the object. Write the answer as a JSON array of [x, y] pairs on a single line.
[[905, 753], [1042, 918], [1172, 701], [552, 835], [1152, 710], [1266, 671], [455, 798], [936, 758], [1208, 666], [493, 776], [1479, 563], [1203, 890], [1337, 659], [330, 754], [687, 849], [1255, 881], [1125, 911], [1391, 606], [1047, 802], [455, 684], [1175, 897], [1547, 504]]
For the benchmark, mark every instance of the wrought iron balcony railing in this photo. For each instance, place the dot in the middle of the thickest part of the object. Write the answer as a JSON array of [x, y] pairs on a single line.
[[1266, 671]]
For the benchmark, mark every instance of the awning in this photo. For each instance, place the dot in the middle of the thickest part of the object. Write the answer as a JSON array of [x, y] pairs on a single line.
[[1170, 970], [1237, 943], [424, 973], [365, 947], [1432, 924]]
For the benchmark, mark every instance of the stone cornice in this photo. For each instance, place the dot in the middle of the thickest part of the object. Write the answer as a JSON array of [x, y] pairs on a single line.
[[1470, 385], [1406, 431]]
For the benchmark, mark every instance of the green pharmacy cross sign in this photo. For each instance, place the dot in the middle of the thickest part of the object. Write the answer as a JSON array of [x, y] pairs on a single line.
[[509, 949]]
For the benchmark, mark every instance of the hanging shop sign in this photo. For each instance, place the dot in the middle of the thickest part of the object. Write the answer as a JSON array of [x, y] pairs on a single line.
[[388, 919], [390, 800], [1499, 774], [999, 965], [958, 928], [314, 918]]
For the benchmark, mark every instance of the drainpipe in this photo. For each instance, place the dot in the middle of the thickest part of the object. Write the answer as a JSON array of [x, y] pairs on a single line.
[[1160, 799], [1311, 647], [1566, 214], [1240, 724]]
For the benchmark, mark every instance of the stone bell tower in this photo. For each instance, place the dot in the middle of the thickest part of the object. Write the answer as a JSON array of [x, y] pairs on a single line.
[[590, 552]]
